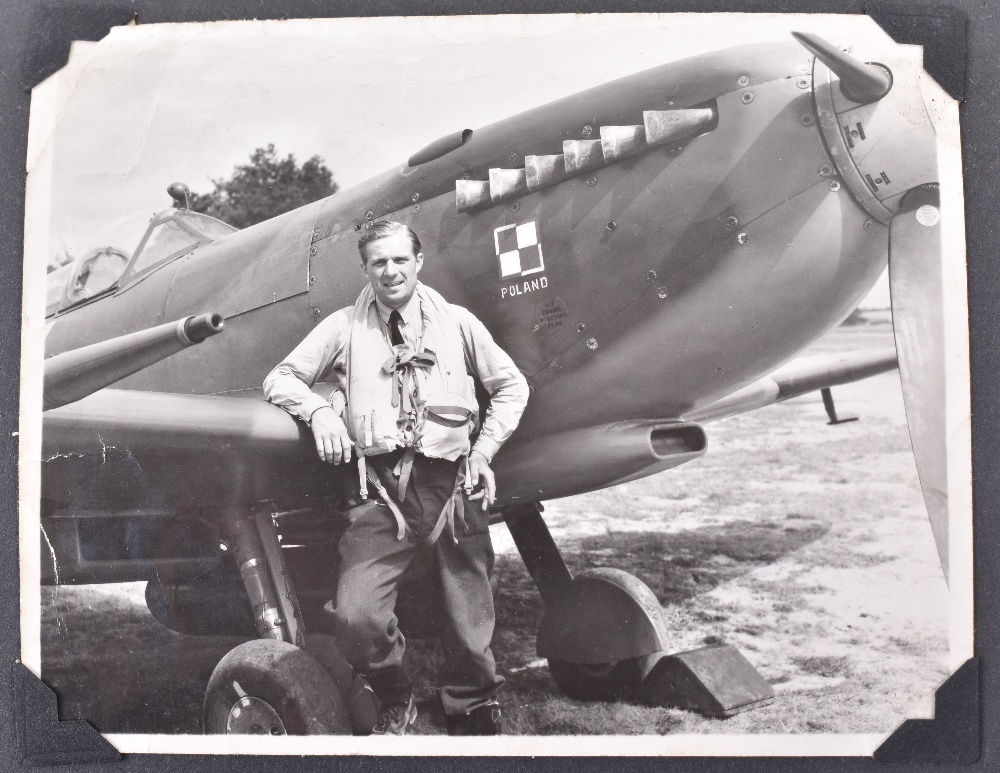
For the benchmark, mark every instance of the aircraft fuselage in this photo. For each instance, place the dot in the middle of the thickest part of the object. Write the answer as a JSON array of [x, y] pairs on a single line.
[[655, 284]]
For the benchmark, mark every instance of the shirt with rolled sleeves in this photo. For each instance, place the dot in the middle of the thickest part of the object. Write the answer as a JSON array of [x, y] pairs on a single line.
[[322, 357]]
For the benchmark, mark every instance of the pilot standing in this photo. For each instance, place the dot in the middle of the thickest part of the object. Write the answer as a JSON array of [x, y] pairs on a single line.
[[403, 356]]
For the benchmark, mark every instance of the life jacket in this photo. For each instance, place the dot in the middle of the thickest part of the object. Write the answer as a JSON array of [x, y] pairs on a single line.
[[401, 398]]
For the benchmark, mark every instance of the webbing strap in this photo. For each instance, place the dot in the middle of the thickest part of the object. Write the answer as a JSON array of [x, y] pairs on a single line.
[[402, 364], [362, 463], [363, 476], [442, 520], [454, 507], [397, 513], [434, 414], [402, 472]]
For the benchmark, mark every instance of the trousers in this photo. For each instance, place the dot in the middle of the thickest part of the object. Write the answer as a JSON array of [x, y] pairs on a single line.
[[372, 562]]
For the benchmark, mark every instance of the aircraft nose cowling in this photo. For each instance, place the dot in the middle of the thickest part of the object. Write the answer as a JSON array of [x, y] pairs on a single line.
[[874, 120]]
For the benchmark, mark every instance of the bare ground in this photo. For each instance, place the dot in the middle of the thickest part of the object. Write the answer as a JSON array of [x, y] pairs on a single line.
[[804, 545]]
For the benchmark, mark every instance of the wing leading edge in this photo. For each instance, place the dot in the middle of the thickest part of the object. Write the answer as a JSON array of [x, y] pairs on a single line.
[[194, 450], [799, 377], [810, 374], [205, 442]]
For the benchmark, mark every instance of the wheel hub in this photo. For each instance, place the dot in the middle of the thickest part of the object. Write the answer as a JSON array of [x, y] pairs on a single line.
[[253, 716]]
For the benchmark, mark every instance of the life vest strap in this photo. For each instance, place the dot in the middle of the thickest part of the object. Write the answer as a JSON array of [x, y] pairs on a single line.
[[402, 367], [402, 472], [434, 414], [453, 508], [393, 507]]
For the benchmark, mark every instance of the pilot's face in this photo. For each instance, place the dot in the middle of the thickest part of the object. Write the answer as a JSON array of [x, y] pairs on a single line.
[[392, 268]]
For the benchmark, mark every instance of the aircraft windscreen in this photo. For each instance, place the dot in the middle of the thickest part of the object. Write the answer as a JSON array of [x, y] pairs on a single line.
[[55, 286], [168, 238], [123, 234], [105, 260], [95, 272], [213, 229]]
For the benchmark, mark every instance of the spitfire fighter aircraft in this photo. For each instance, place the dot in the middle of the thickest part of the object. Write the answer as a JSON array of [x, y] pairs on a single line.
[[653, 253]]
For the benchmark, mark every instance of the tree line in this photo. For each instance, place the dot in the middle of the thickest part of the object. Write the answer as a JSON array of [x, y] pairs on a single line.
[[264, 187]]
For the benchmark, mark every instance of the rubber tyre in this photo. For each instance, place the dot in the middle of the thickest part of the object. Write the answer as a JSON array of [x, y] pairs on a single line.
[[596, 681], [286, 678]]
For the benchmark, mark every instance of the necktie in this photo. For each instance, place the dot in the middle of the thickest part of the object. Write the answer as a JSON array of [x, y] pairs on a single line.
[[394, 333]]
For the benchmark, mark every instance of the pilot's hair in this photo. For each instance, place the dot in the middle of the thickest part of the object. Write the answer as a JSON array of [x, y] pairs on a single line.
[[380, 229]]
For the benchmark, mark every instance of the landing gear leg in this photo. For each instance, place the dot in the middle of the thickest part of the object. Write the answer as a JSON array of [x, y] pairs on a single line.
[[272, 685], [604, 636], [258, 556], [598, 627]]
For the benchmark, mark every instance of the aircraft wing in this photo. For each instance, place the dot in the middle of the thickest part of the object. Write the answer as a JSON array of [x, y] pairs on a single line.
[[200, 450], [109, 449], [799, 377], [200, 447], [151, 454], [808, 374]]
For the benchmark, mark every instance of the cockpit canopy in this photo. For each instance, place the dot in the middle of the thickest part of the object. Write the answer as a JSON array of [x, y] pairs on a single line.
[[174, 233], [170, 234], [96, 271]]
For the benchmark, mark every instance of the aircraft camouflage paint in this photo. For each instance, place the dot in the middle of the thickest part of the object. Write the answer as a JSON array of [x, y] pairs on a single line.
[[648, 251]]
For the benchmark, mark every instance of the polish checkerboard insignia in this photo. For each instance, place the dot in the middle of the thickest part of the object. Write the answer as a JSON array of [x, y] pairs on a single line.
[[519, 252]]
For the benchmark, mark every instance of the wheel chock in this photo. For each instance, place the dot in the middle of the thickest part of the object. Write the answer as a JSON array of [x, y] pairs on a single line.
[[716, 681]]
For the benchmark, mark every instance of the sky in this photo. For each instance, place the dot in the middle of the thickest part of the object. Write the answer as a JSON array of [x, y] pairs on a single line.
[[155, 104]]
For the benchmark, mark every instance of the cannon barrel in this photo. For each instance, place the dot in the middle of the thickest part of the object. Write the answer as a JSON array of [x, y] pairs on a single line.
[[73, 375]]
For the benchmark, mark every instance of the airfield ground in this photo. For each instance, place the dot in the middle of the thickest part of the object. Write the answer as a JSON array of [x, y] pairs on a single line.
[[804, 545]]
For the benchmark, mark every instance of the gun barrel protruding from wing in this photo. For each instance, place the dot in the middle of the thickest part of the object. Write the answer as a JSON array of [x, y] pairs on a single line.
[[73, 375]]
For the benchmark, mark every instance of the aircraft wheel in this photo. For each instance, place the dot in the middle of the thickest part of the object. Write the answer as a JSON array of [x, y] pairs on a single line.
[[596, 681], [270, 687]]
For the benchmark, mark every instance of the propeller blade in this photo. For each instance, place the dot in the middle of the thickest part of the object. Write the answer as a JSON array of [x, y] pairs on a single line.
[[859, 81], [916, 288]]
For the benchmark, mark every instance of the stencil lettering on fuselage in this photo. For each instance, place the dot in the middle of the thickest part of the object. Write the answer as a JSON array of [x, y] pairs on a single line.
[[552, 315], [527, 286]]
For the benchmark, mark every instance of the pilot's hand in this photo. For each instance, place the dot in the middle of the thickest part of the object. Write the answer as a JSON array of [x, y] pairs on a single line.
[[333, 444], [481, 475]]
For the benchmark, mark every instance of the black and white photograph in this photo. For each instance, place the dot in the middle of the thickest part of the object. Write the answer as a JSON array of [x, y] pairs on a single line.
[[455, 385]]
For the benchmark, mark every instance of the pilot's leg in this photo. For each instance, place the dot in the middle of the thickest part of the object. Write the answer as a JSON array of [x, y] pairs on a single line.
[[372, 560], [468, 679]]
